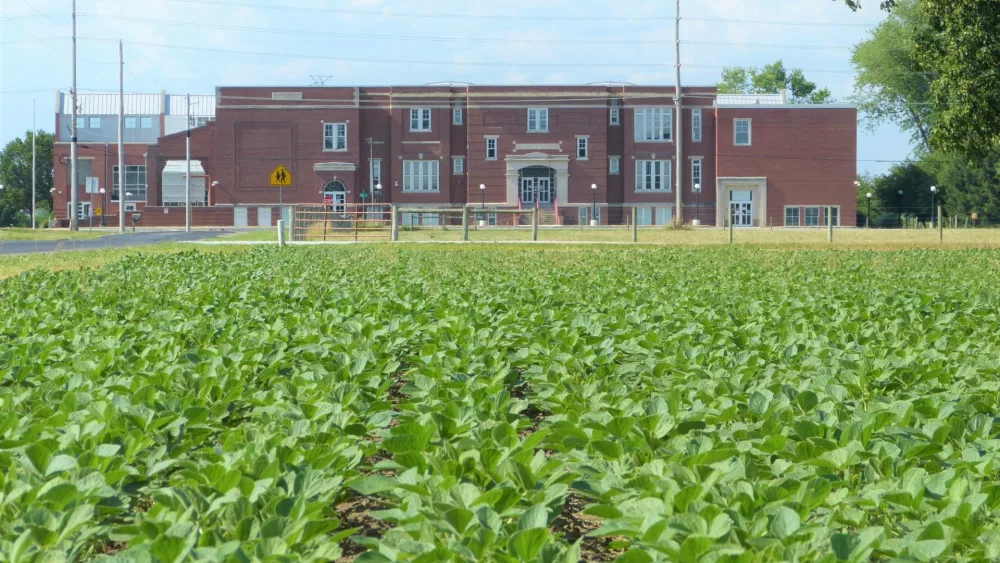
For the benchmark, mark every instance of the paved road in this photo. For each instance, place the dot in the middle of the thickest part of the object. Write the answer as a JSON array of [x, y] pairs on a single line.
[[109, 241]]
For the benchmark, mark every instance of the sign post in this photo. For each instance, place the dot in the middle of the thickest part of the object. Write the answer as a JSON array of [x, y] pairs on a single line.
[[281, 177]]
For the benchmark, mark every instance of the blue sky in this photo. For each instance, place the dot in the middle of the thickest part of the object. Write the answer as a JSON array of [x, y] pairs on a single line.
[[354, 42]]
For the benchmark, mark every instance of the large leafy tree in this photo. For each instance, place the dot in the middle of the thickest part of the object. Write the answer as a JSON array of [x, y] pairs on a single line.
[[15, 175], [770, 79], [892, 86], [972, 186]]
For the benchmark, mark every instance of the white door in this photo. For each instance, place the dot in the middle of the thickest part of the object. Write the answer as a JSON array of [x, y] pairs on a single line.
[[741, 208], [544, 190], [240, 217], [339, 200], [263, 216], [664, 215]]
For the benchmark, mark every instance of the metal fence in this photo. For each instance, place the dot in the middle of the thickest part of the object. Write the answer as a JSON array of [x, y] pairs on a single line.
[[323, 223]]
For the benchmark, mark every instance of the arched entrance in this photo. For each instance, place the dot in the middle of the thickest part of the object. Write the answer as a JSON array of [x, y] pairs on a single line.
[[337, 192], [536, 184]]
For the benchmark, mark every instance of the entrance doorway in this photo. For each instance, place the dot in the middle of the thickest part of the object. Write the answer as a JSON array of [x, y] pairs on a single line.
[[336, 194], [537, 184], [741, 208]]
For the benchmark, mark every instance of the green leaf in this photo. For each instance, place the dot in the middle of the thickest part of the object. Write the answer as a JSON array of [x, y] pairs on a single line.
[[535, 517], [928, 550], [527, 543], [373, 484], [60, 463], [785, 523], [759, 403]]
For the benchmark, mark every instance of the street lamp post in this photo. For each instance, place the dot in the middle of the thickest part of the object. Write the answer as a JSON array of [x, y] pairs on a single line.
[[104, 203], [482, 218], [900, 193], [868, 217], [593, 212], [933, 193], [697, 204]]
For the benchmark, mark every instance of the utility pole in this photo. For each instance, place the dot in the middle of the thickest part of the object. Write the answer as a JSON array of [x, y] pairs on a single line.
[[187, 177], [34, 160], [73, 183], [121, 139], [679, 117]]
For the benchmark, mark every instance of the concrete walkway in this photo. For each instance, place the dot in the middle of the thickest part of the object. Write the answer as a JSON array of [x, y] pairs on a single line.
[[109, 241]]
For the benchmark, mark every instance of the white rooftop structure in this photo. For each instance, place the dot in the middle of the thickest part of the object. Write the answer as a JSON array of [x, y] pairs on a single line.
[[106, 103], [751, 99]]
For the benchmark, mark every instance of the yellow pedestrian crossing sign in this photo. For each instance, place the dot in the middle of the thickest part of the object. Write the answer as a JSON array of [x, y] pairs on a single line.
[[281, 177]]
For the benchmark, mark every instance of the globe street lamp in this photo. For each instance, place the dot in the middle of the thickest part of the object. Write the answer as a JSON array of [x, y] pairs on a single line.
[[104, 202], [868, 217], [378, 192], [933, 193], [482, 218], [697, 204], [593, 212]]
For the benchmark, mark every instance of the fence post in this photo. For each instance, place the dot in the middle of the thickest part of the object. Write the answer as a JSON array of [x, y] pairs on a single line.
[[394, 227], [534, 223], [281, 232], [829, 223], [465, 223], [940, 226], [729, 223], [635, 224]]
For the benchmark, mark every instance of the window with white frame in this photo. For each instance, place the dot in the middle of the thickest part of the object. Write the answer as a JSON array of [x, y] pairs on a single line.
[[654, 124], [538, 119], [616, 116], [376, 172], [741, 132], [199, 121], [652, 175], [583, 148], [696, 125], [94, 122], [131, 207], [791, 216], [145, 122], [458, 165], [81, 122], [131, 122], [456, 116], [695, 172], [812, 216], [334, 136], [644, 216], [82, 209], [491, 148], [420, 119], [84, 168], [421, 176], [135, 183], [835, 211], [581, 215], [614, 165]]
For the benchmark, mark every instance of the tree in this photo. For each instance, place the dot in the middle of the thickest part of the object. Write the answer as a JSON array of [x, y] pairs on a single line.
[[866, 185], [961, 47], [15, 175], [770, 79], [914, 181], [973, 187], [892, 86]]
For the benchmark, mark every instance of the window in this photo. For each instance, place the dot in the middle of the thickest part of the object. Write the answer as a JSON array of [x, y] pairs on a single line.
[[696, 125], [84, 168], [146, 122], [616, 116], [538, 119], [791, 216], [130, 122], [458, 165], [376, 172], [812, 216], [82, 209], [835, 211], [334, 136], [94, 122], [652, 175], [199, 121], [456, 116], [135, 183], [614, 165], [420, 119], [596, 212], [654, 124], [81, 122], [583, 148], [491, 148], [741, 132], [581, 215], [695, 173], [131, 207], [421, 176]]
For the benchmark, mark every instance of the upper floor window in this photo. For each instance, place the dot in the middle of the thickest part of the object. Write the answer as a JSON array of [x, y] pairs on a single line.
[[652, 175], [458, 165], [130, 122], [616, 116], [81, 122], [741, 132], [491, 148], [420, 119], [538, 119], [135, 183], [95, 122], [335, 136], [614, 165], [583, 148], [696, 173], [199, 121], [456, 116], [145, 122], [696, 125], [654, 124]]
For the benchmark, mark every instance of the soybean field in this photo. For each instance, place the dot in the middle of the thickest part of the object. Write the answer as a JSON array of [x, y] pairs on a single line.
[[428, 404]]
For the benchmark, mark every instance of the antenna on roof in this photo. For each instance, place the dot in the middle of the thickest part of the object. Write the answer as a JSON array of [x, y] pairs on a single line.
[[319, 80]]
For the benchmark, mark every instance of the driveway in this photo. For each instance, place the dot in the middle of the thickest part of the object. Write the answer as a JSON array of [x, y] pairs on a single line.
[[109, 241]]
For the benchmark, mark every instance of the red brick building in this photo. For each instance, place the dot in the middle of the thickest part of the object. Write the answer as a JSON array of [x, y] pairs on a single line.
[[766, 161]]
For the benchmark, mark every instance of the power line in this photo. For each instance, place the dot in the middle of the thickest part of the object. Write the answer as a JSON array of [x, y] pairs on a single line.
[[776, 22]]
